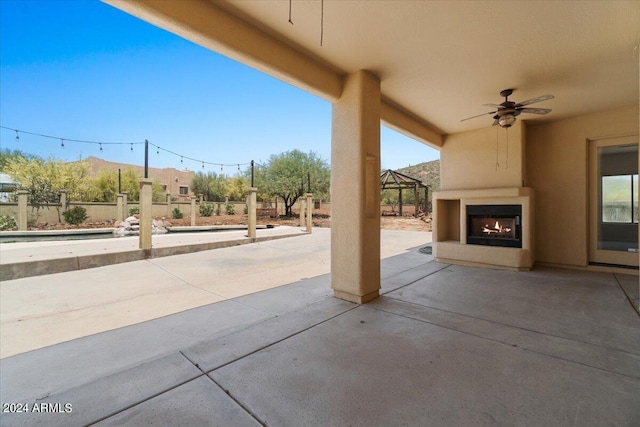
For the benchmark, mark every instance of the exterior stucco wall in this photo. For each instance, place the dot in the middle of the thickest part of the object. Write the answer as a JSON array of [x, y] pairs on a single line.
[[557, 168], [468, 159]]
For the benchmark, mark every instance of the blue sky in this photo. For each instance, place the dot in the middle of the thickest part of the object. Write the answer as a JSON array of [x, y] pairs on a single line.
[[81, 69]]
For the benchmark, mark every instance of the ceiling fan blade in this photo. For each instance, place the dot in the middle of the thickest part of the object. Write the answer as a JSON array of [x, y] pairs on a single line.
[[535, 110], [495, 122], [479, 115], [498, 106], [534, 100]]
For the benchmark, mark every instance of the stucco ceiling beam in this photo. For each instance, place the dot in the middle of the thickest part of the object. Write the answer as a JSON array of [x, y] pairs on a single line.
[[205, 24], [400, 120]]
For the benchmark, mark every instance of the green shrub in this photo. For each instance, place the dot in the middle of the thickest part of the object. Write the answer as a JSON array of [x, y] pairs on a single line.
[[176, 214], [218, 210], [231, 210], [206, 209], [246, 209], [134, 210], [76, 215], [7, 222]]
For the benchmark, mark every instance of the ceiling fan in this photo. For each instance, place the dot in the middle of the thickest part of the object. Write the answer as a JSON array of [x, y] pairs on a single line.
[[506, 112]]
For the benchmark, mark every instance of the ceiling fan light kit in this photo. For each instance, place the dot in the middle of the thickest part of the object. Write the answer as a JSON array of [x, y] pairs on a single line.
[[507, 120], [506, 112]]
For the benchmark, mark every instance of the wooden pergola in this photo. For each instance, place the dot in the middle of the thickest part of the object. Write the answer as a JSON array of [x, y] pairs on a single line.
[[392, 180]]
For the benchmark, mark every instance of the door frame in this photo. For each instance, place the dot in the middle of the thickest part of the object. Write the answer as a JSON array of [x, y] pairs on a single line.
[[601, 256]]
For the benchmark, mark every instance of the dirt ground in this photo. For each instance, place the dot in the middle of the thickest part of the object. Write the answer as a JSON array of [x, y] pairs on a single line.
[[320, 219]]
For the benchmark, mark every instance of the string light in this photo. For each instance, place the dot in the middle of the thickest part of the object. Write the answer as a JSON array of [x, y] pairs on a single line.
[[131, 144]]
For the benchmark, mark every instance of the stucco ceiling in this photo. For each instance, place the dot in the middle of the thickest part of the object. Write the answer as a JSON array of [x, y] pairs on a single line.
[[442, 60]]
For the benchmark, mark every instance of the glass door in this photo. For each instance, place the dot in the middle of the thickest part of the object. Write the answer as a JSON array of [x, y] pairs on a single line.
[[614, 201]]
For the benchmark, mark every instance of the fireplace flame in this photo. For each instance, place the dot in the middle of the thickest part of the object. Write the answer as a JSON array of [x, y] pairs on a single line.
[[497, 228]]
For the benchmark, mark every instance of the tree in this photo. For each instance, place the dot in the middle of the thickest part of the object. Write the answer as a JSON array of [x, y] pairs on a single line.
[[104, 187], [237, 187], [7, 155], [288, 174], [211, 185], [44, 179]]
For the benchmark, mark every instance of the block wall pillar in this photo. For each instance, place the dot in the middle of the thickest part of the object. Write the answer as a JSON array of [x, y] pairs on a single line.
[[120, 207], [252, 202], [146, 199], [309, 212], [22, 209], [193, 211]]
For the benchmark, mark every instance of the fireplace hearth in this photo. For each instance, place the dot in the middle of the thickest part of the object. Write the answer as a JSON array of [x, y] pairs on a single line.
[[494, 225]]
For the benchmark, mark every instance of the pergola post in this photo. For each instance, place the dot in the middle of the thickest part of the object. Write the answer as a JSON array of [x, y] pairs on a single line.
[[400, 201], [355, 189], [416, 196]]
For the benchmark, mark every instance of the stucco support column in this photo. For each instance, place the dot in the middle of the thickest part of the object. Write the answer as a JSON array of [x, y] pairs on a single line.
[[22, 209], [146, 199], [119, 207], [252, 202], [168, 205], [309, 211], [355, 190], [193, 211]]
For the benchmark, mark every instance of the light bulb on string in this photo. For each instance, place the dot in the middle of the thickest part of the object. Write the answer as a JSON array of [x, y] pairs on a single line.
[[132, 146], [202, 165], [62, 142], [100, 146], [221, 168], [17, 136], [157, 150], [181, 160]]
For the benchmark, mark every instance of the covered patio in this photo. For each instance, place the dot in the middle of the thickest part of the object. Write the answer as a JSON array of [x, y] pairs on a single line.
[[401, 64], [540, 334], [443, 345]]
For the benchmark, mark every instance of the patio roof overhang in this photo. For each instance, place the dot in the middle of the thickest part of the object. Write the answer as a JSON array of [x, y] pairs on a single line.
[[419, 68], [438, 62]]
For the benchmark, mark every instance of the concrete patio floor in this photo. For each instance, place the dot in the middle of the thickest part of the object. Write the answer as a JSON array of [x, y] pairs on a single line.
[[445, 345]]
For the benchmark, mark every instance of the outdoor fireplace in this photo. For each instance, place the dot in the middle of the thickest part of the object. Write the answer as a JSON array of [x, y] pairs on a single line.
[[494, 225]]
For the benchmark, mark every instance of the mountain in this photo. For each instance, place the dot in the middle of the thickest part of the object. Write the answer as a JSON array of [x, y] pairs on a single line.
[[427, 172]]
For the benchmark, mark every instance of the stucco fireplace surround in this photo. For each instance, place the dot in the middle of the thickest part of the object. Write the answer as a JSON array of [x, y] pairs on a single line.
[[505, 245]]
